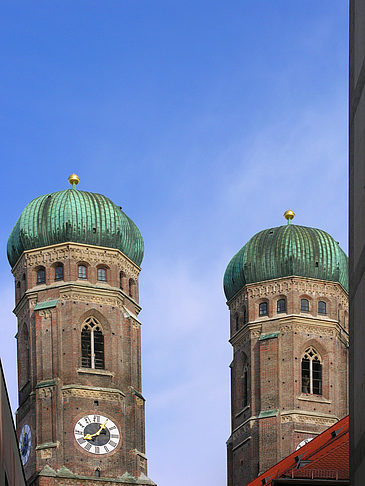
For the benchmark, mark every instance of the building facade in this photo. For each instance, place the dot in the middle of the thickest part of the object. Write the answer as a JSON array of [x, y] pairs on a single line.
[[286, 291], [76, 259], [357, 239]]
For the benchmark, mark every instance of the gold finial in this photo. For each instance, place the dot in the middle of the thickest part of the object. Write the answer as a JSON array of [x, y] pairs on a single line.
[[289, 215], [73, 180]]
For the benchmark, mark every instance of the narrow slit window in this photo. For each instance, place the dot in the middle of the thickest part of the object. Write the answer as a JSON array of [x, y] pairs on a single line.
[[131, 286], [237, 323]]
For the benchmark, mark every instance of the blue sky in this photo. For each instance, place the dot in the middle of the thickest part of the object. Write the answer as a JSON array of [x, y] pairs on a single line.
[[205, 121]]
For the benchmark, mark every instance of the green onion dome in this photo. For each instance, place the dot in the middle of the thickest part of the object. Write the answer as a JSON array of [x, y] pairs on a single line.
[[76, 216], [289, 250]]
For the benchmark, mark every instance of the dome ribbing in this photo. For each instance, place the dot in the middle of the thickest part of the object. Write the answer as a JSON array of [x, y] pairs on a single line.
[[289, 250], [76, 216]]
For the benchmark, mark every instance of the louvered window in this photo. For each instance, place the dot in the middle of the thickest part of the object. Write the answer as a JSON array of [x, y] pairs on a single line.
[[41, 276], [281, 306], [322, 307], [263, 309], [304, 305]]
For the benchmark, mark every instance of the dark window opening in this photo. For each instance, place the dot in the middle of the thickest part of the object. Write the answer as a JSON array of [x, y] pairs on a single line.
[[322, 307], [82, 272], [131, 288], [101, 274], [92, 345], [59, 272], [263, 309], [41, 276], [245, 388], [121, 280], [245, 317], [311, 372], [281, 306], [304, 305], [237, 323]]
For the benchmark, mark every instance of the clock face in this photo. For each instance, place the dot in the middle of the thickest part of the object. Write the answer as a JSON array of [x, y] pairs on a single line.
[[25, 442], [96, 434]]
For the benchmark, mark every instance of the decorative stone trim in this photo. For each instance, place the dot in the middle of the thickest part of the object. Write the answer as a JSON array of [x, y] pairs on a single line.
[[83, 391]]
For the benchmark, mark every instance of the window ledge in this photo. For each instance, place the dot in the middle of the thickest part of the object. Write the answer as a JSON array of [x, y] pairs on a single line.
[[313, 398], [92, 371]]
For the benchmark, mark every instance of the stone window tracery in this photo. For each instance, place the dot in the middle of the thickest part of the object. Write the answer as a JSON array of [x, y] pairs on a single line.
[[311, 372], [92, 344]]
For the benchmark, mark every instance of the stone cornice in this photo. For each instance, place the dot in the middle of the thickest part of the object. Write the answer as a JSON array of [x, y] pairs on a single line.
[[79, 291], [92, 254], [284, 285]]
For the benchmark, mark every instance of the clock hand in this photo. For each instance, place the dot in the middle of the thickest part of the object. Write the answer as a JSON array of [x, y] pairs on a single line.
[[90, 436]]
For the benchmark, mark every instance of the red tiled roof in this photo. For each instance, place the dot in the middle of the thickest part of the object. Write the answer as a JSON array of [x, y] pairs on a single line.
[[324, 457]]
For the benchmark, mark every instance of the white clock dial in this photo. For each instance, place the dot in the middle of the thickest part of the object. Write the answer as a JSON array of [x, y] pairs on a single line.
[[25, 442], [96, 434]]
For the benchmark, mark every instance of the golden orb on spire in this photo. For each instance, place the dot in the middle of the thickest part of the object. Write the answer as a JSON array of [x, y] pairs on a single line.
[[73, 179], [289, 215]]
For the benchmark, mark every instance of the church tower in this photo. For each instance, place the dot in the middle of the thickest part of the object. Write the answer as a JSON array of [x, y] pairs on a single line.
[[286, 291], [76, 257]]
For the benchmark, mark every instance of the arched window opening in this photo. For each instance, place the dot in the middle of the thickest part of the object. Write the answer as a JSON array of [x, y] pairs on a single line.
[[18, 284], [82, 272], [263, 309], [322, 307], [304, 305], [97, 472], [131, 286], [121, 280], [245, 316], [237, 321], [102, 274], [245, 386], [92, 345], [311, 372], [281, 306], [24, 356], [41, 275], [59, 271]]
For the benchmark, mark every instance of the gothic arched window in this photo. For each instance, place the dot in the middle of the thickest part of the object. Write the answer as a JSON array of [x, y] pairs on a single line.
[[41, 275], [245, 384], [311, 372], [304, 305], [281, 306], [237, 322], [121, 280], [131, 286], [263, 309], [322, 307], [245, 316], [92, 344]]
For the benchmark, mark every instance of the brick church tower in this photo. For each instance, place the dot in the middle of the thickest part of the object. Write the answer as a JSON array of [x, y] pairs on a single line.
[[76, 258], [286, 291]]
